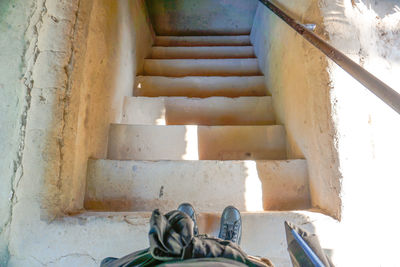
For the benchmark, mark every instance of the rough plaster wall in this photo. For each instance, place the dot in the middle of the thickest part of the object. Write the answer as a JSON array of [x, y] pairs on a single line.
[[369, 32], [72, 180], [45, 73], [14, 18], [193, 17], [296, 75], [117, 39], [45, 186]]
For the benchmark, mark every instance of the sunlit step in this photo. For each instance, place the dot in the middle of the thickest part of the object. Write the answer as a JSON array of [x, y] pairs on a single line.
[[147, 142], [237, 40], [202, 67], [153, 86], [159, 52], [198, 111], [209, 185]]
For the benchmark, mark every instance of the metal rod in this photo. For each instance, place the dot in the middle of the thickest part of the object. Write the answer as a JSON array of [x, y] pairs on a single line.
[[309, 252], [376, 86]]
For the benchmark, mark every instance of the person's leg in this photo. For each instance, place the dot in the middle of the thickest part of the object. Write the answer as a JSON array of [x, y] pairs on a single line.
[[231, 225], [189, 210]]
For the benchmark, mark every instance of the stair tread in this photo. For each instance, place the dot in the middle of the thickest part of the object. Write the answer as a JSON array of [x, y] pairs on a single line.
[[147, 185], [235, 40], [202, 67], [179, 142], [206, 52], [198, 111], [200, 86]]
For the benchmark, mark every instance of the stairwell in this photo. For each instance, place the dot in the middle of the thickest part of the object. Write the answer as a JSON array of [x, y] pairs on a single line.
[[164, 102], [199, 128]]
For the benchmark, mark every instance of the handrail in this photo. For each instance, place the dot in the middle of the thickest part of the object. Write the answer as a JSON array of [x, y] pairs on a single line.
[[307, 250], [376, 86]]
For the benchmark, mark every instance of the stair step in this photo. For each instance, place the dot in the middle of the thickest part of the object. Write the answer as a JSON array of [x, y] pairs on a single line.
[[208, 185], [201, 67], [149, 142], [200, 86], [236, 40], [198, 111], [159, 52]]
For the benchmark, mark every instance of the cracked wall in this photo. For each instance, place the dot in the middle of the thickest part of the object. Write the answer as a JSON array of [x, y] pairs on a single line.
[[60, 103], [14, 19]]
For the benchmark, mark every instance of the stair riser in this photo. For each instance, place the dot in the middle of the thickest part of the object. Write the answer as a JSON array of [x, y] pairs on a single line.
[[202, 52], [153, 86], [197, 111], [241, 40], [196, 142], [209, 185], [201, 67]]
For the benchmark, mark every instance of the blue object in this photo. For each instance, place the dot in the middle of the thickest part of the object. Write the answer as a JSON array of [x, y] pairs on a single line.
[[309, 252]]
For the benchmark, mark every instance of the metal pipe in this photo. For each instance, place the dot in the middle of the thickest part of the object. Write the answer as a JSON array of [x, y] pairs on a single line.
[[309, 252], [376, 86]]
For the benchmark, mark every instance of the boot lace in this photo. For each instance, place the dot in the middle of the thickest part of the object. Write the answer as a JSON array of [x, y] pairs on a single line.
[[230, 232]]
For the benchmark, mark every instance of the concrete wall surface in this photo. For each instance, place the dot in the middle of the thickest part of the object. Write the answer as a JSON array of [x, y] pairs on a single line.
[[193, 17], [368, 131], [110, 53], [296, 76], [69, 66], [14, 101]]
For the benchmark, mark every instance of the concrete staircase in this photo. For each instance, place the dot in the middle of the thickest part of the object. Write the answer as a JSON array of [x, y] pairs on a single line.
[[200, 128]]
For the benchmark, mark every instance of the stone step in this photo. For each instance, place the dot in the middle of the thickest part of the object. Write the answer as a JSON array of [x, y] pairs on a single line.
[[208, 185], [201, 67], [159, 52], [149, 142], [153, 86], [263, 234], [236, 40], [198, 111]]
